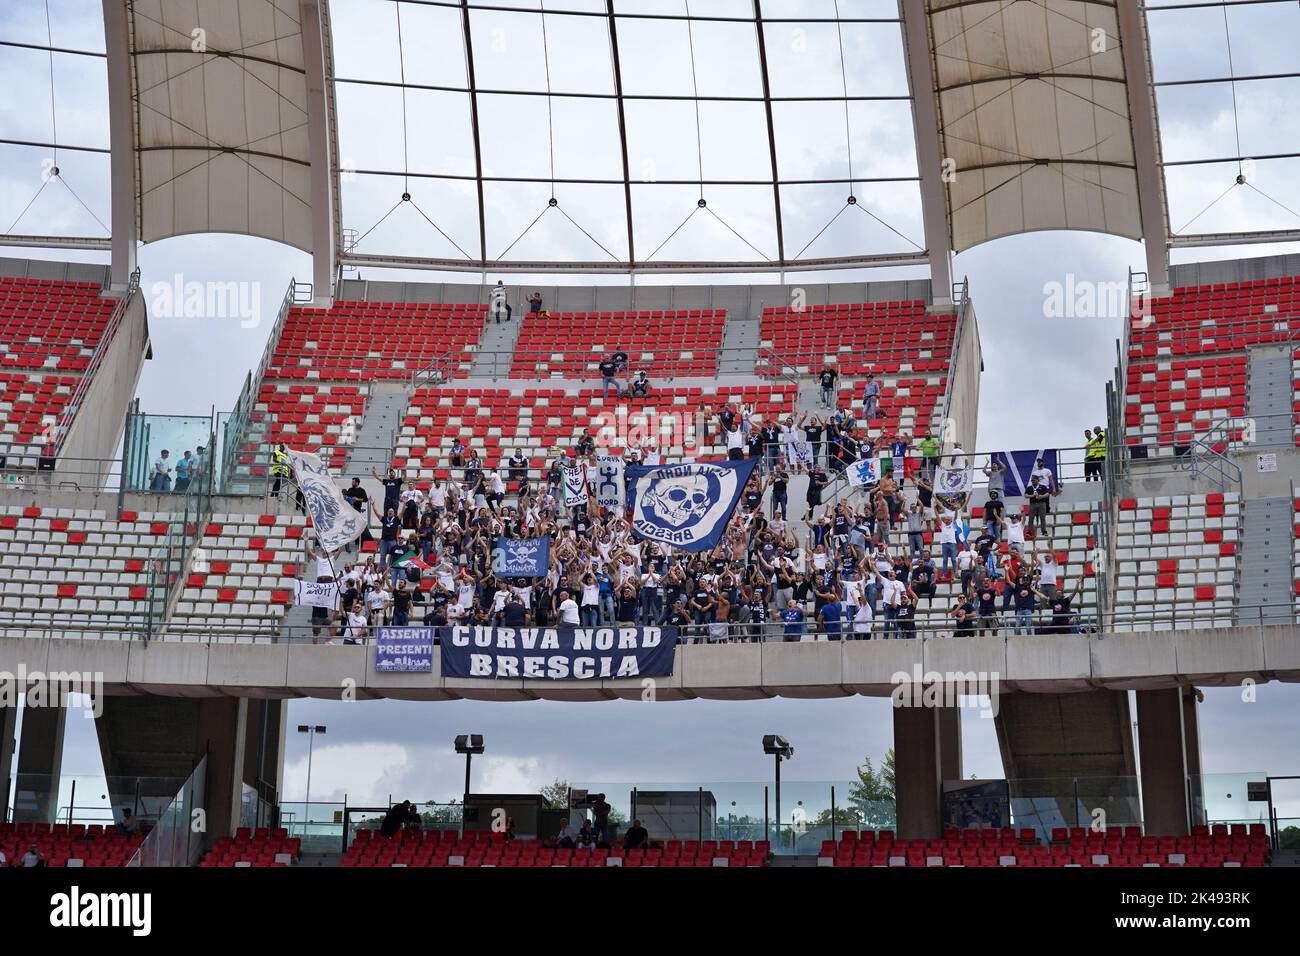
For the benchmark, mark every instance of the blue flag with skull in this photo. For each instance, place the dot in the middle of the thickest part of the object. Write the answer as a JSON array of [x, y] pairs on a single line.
[[688, 505]]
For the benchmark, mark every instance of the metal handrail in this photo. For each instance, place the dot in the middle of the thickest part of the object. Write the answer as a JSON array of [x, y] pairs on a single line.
[[1090, 622], [97, 359], [962, 304]]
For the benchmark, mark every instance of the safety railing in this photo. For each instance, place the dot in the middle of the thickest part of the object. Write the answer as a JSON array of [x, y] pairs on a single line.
[[935, 621], [63, 474], [177, 837]]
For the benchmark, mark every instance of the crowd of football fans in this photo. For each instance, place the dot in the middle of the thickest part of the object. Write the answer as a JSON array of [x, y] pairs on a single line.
[[857, 561]]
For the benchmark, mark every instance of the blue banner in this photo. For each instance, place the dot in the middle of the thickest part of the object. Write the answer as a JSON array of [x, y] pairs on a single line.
[[688, 505], [1020, 465], [406, 650], [567, 652], [521, 557]]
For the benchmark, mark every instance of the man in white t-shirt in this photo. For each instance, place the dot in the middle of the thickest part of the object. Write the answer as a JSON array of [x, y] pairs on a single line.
[[1044, 475], [947, 546], [1016, 532], [567, 608]]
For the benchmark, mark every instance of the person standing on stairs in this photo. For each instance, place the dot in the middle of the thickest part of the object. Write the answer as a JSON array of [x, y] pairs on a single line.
[[498, 303]]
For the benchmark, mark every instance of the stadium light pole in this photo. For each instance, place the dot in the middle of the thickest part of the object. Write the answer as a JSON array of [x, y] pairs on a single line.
[[311, 730], [780, 748], [469, 745]]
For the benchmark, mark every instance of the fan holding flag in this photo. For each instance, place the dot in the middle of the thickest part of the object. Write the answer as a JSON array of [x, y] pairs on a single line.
[[409, 564]]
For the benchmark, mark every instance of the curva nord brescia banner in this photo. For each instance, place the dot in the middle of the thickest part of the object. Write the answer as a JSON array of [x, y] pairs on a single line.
[[567, 652]]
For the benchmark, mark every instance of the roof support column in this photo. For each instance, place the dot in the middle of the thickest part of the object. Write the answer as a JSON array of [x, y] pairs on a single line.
[[121, 136], [925, 121], [1131, 18], [324, 252]]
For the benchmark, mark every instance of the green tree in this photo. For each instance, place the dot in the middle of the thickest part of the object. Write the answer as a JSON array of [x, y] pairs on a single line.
[[872, 797], [844, 817], [556, 795], [1289, 838]]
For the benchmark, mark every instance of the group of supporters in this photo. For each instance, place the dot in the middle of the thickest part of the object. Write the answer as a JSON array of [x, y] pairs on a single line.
[[865, 565]]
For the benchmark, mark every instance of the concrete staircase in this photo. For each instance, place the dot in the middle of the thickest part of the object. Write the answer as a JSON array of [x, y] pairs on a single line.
[[1269, 393], [1264, 565], [496, 347], [376, 436], [740, 341]]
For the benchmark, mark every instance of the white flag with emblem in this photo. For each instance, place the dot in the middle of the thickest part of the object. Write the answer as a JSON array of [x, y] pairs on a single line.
[[864, 471], [335, 522]]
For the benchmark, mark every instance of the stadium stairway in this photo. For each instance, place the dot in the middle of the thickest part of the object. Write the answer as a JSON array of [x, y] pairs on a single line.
[[498, 338], [1269, 392], [740, 341], [1265, 573], [378, 431]]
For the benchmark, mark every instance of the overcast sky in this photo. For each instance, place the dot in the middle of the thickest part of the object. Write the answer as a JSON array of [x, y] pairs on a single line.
[[1043, 379]]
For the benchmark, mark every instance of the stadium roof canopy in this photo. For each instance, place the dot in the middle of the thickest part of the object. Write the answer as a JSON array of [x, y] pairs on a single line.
[[654, 135]]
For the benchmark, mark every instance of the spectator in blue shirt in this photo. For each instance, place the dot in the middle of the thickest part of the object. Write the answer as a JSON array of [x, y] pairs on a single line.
[[830, 616], [793, 617]]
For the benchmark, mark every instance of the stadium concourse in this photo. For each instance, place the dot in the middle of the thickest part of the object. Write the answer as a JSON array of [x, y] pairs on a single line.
[[1148, 558]]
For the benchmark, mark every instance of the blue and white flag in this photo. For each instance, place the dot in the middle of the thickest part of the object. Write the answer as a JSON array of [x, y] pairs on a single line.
[[521, 557], [556, 653], [335, 522], [609, 482], [407, 650], [687, 505], [801, 451], [952, 481], [863, 472], [1020, 465]]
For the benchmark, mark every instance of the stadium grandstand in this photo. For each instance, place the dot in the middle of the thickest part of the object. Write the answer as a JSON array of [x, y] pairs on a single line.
[[717, 431]]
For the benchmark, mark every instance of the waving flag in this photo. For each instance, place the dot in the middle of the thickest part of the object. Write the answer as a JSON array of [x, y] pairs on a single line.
[[411, 559], [1020, 464], [688, 505], [336, 523], [863, 472], [952, 487]]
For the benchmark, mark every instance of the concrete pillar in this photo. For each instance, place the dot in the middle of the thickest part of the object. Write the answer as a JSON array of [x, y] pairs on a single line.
[[264, 753], [8, 743], [150, 745], [1162, 757], [950, 743], [1192, 750], [917, 772], [222, 730], [40, 759]]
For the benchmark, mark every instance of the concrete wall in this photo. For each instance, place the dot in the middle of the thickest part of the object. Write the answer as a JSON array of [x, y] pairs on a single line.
[[96, 430], [1039, 664], [57, 271], [1065, 735], [963, 402], [1234, 270], [739, 299]]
